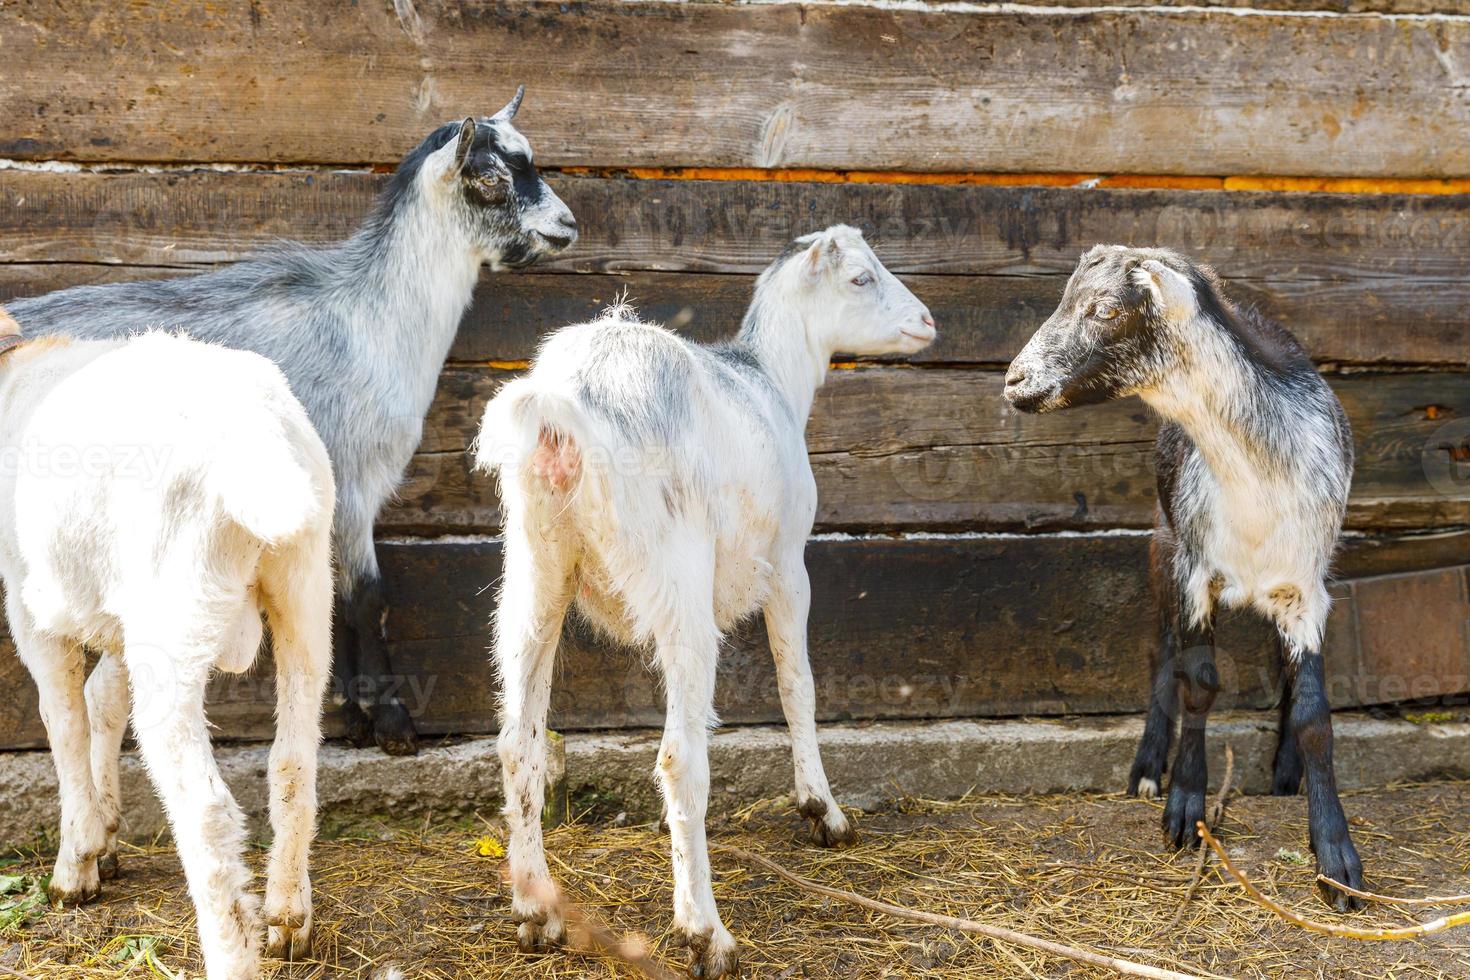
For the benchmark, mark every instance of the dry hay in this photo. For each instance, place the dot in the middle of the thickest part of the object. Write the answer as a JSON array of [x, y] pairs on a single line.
[[1085, 870]]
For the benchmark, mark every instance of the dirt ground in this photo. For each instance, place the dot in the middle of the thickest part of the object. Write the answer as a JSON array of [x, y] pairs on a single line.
[[1085, 870]]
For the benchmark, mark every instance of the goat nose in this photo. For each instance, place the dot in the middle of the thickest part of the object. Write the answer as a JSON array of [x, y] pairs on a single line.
[[928, 319], [569, 220], [1015, 376]]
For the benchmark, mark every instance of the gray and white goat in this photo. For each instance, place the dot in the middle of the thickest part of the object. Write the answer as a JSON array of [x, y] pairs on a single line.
[[663, 487], [1254, 462], [361, 329]]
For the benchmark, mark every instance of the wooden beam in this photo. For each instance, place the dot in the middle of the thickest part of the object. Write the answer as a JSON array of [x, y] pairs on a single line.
[[1405, 636], [1305, 6], [739, 226], [923, 628], [824, 86], [1362, 280], [943, 627], [904, 449], [982, 319]]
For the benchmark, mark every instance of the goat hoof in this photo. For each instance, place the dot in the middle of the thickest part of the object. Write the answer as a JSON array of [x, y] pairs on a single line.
[[289, 943], [1183, 810], [357, 726], [108, 867], [539, 937], [393, 730], [1286, 778], [1286, 785], [830, 827], [1145, 778], [714, 956], [1339, 861], [79, 890], [825, 836]]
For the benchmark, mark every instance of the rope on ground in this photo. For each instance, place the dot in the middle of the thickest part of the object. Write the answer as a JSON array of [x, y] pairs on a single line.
[[997, 933], [1327, 928]]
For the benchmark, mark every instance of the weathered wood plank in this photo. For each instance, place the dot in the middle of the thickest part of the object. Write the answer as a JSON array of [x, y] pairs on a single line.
[[983, 319], [1362, 279], [1319, 6], [959, 626], [1387, 658], [905, 449], [738, 226], [825, 86]]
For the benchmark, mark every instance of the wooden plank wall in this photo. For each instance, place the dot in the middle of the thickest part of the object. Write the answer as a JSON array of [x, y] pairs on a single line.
[[970, 561]]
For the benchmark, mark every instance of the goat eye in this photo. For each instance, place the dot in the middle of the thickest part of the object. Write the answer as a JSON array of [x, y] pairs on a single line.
[[862, 280], [1105, 311]]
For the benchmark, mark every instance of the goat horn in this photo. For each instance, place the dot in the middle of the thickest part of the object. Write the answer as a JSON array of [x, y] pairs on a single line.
[[509, 112]]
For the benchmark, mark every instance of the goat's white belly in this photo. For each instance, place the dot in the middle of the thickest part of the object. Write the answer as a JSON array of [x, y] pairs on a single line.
[[743, 557], [744, 568], [1264, 554], [1248, 571]]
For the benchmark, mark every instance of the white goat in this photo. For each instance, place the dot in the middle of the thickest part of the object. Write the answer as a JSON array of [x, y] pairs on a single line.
[[157, 495], [665, 487]]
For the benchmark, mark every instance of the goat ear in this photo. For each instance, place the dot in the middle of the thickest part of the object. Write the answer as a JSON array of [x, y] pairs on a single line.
[[818, 257], [462, 147], [509, 112], [1171, 291]]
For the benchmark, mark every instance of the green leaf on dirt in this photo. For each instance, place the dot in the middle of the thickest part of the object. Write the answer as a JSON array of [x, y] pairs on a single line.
[[1291, 857], [130, 951], [22, 898]]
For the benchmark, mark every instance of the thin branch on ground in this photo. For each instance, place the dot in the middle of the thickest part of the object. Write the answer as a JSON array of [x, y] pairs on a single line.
[[1327, 928], [588, 933], [1217, 814], [1390, 900], [997, 933]]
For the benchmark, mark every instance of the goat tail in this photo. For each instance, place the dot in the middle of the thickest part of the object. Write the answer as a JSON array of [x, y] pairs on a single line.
[[528, 428], [275, 481]]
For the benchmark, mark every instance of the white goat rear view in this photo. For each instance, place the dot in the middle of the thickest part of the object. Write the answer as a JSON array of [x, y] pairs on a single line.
[[664, 487], [159, 495]]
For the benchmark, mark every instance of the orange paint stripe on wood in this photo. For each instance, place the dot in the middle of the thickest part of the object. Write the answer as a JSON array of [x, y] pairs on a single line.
[[801, 176], [1156, 182], [1333, 185], [1349, 185]]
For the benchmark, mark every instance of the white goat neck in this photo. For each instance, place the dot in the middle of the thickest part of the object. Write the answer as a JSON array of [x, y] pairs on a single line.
[[776, 331]]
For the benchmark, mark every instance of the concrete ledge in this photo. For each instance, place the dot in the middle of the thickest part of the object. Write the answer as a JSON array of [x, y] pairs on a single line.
[[867, 763]]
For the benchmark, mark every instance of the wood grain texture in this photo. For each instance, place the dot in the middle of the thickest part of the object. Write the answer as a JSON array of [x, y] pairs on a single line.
[[1314, 6], [947, 627], [1404, 661], [903, 449], [1361, 279], [834, 87], [982, 319], [739, 226]]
